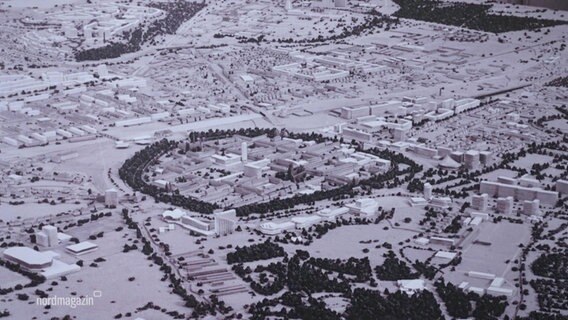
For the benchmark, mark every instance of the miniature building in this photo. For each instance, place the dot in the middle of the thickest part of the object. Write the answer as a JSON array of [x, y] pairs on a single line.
[[244, 152], [399, 134], [411, 286], [304, 222], [226, 160], [457, 156], [358, 135], [443, 241], [111, 198], [225, 222], [340, 3], [562, 186], [255, 169], [82, 248], [42, 262], [479, 291], [418, 202], [29, 258], [505, 205], [475, 221], [480, 202], [331, 214], [121, 145], [428, 191], [531, 207], [47, 237], [496, 291], [363, 207], [422, 241], [482, 215], [481, 275], [449, 163], [162, 184], [501, 189], [471, 159], [175, 214], [271, 228], [196, 223], [446, 255], [441, 202]]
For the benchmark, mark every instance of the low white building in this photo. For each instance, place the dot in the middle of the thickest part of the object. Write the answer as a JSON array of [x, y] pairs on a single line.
[[365, 206], [272, 228], [82, 248], [304, 222], [411, 286]]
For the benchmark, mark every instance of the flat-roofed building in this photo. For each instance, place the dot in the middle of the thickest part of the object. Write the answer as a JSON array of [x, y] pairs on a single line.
[[226, 160], [411, 286], [481, 275], [271, 228], [82, 248], [441, 202], [175, 214], [355, 112], [441, 240], [500, 291], [196, 223], [520, 193], [365, 206], [332, 214], [304, 222], [29, 258]]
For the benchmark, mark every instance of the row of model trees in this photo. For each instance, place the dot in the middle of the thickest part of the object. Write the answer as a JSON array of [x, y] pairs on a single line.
[[558, 82], [35, 278], [132, 171]]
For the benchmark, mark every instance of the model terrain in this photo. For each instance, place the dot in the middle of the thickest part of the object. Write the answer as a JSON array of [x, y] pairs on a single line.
[[333, 159]]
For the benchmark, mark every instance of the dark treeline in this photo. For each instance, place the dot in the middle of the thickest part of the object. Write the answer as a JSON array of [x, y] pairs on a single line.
[[255, 252], [558, 82], [461, 305], [370, 305], [554, 265], [394, 269], [132, 171], [301, 273], [468, 15], [35, 278]]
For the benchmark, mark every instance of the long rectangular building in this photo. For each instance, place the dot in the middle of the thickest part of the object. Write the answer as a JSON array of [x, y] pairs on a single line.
[[519, 193]]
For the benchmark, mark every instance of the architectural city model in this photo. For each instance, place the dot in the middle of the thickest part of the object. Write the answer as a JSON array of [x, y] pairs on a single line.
[[284, 159]]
